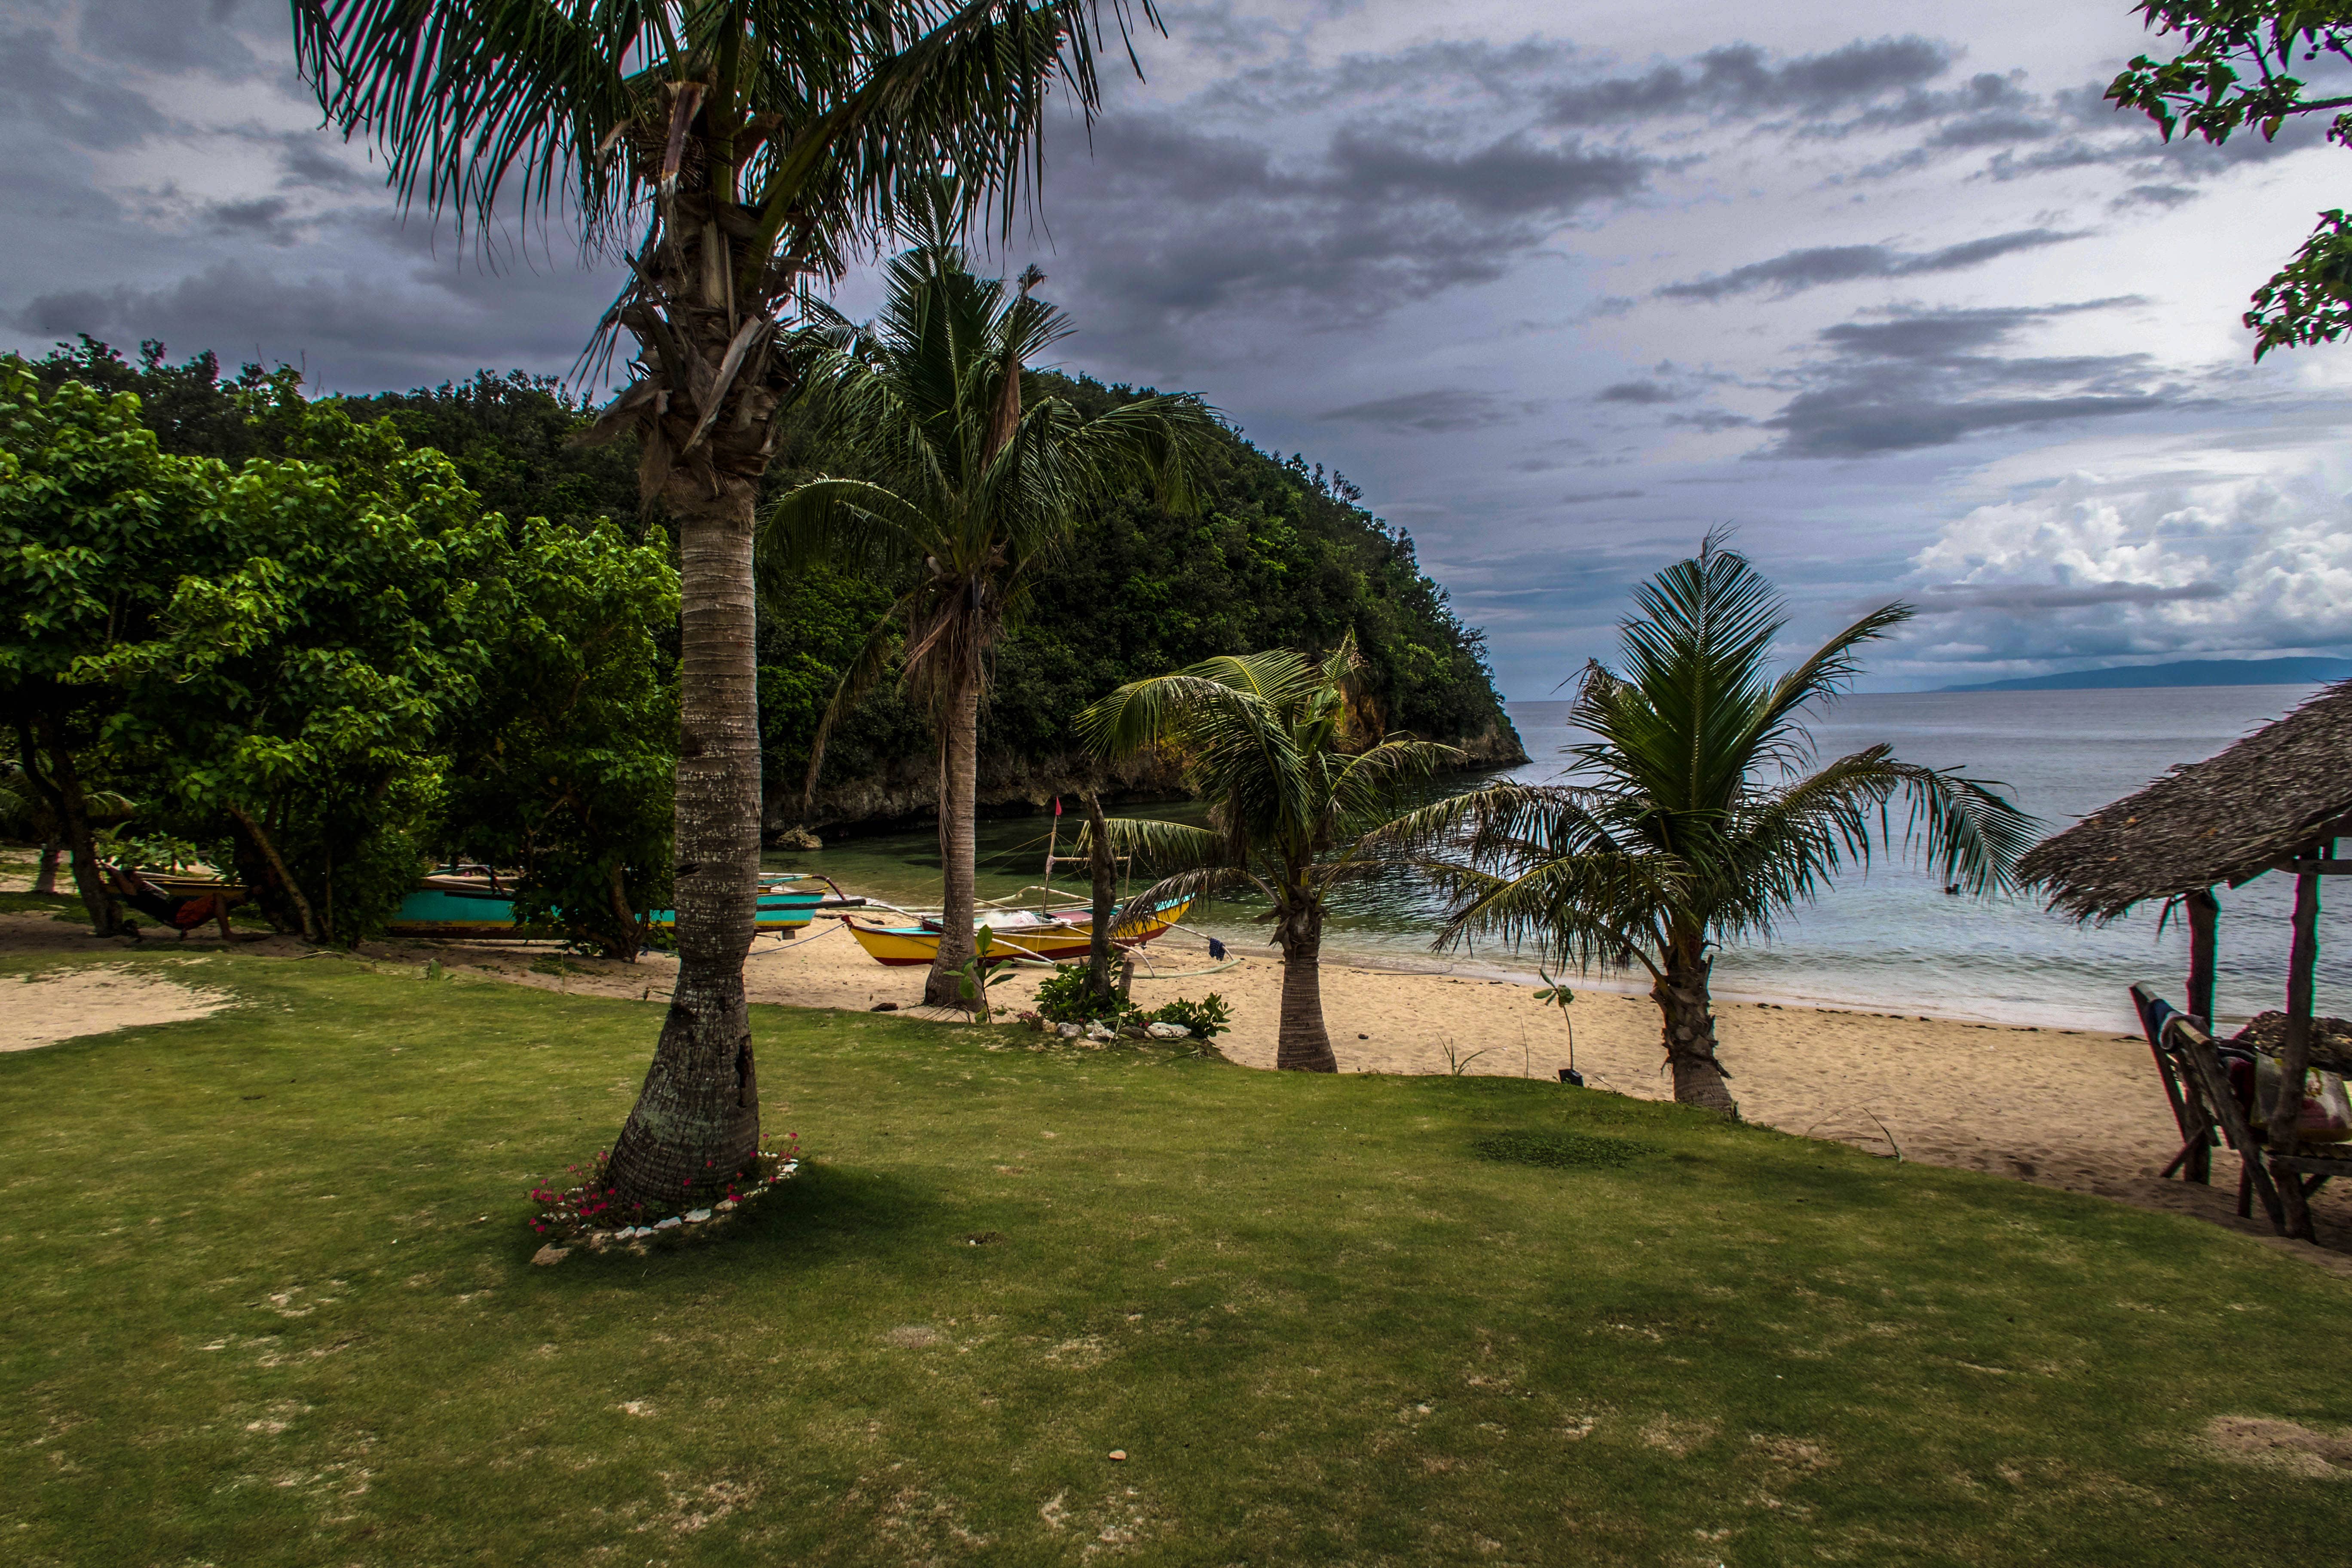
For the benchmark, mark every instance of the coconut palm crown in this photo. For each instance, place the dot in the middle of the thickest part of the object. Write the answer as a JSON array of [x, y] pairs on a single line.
[[965, 490], [1694, 817], [1271, 742]]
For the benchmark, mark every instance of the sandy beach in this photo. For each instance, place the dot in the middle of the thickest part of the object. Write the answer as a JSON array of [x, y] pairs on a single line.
[[2009, 1099]]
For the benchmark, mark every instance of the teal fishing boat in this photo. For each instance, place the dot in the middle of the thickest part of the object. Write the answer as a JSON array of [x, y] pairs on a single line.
[[476, 906]]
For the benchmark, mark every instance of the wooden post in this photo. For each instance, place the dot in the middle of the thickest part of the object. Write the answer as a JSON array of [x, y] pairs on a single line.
[[2204, 912], [1053, 842], [2295, 1057]]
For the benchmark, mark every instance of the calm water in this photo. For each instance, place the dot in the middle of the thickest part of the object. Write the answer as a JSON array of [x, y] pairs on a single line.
[[1889, 939]]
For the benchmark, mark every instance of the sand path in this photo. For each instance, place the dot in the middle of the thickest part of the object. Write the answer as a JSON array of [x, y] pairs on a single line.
[[65, 1003]]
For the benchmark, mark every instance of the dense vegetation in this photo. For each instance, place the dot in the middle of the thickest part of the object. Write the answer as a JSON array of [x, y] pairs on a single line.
[[1281, 555], [322, 664]]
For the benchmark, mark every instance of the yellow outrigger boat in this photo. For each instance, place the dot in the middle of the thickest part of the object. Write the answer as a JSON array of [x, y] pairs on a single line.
[[1022, 933]]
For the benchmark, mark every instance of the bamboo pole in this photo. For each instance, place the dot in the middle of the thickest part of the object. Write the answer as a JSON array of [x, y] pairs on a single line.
[[2295, 1057]]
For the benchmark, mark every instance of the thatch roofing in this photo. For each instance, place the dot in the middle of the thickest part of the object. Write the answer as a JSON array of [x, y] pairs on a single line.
[[2224, 820]]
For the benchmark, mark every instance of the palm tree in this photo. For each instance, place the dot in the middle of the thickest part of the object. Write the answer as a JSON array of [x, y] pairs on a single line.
[[1690, 819], [1271, 741], [729, 152], [966, 492]]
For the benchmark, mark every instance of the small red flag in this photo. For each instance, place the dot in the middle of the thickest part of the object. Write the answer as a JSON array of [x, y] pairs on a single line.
[[1058, 806]]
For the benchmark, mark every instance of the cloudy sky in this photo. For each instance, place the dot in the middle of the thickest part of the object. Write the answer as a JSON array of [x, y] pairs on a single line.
[[1903, 303]]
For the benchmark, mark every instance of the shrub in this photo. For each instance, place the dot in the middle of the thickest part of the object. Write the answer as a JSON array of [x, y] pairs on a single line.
[[1206, 1018], [1066, 998]]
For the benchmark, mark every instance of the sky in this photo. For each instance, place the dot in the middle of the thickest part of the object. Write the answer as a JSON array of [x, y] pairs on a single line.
[[1900, 301]]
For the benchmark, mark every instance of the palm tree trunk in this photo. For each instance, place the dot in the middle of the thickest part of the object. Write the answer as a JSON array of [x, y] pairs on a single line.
[[959, 789], [1104, 870], [1303, 1045], [697, 1120], [1681, 995]]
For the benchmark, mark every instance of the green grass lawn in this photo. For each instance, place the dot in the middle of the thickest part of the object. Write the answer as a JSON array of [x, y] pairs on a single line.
[[270, 1301]]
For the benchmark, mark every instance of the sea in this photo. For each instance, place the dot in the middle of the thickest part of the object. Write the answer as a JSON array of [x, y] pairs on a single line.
[[1884, 938]]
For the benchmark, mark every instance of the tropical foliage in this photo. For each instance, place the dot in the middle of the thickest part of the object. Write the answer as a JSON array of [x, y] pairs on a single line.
[[1694, 817], [1295, 782], [963, 490], [2242, 66], [1279, 554], [319, 666]]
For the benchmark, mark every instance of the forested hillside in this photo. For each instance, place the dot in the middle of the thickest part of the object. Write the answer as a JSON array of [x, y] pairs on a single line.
[[1277, 556]]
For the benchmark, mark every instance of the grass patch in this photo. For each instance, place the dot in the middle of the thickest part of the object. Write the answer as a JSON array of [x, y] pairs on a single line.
[[271, 1302], [1562, 1151], [40, 904]]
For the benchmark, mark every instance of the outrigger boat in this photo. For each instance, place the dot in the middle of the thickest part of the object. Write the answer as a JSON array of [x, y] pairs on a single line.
[[1058, 937], [473, 905]]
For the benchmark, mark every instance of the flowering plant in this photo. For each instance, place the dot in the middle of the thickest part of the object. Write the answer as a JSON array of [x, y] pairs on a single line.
[[589, 1208]]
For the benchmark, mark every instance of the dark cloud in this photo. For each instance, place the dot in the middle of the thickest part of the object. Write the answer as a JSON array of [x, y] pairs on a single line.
[[1513, 177], [1440, 409], [1928, 379], [1811, 268], [1583, 496], [1740, 81], [45, 92], [1637, 392], [309, 161], [173, 35], [1956, 598], [2156, 197], [1981, 101], [266, 219], [1177, 221], [1710, 420], [1420, 73]]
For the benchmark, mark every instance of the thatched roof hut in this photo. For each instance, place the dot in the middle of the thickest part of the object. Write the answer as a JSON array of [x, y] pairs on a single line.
[[2276, 801], [2222, 821]]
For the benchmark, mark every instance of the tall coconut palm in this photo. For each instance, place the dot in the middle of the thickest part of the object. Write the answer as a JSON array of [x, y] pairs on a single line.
[[964, 490], [1691, 818], [729, 152], [1270, 740]]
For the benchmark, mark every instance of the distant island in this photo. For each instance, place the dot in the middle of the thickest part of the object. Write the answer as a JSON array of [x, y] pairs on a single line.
[[2299, 670]]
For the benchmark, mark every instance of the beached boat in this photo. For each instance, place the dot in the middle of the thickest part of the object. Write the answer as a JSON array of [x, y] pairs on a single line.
[[1062, 938], [478, 907]]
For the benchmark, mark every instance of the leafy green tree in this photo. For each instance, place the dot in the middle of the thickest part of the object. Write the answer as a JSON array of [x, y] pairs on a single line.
[[294, 692], [756, 141], [967, 491], [97, 527], [1294, 786], [562, 765], [2240, 68], [1690, 820]]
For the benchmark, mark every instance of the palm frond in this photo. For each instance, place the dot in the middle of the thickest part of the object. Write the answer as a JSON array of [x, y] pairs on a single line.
[[848, 522]]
